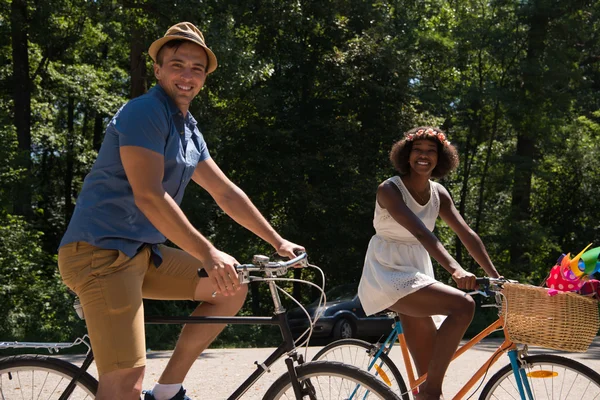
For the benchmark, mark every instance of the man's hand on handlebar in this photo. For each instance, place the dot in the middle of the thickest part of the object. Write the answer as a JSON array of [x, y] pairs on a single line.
[[220, 268], [289, 249]]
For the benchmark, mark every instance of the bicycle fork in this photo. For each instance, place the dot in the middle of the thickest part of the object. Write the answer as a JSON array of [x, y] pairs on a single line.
[[520, 375]]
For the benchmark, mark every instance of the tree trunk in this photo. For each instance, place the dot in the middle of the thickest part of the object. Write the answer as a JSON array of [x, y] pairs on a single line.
[[70, 161], [463, 194], [22, 104], [486, 166], [98, 132], [85, 129], [532, 97], [138, 63]]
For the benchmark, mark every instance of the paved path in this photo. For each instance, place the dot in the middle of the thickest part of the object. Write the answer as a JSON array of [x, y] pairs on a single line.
[[218, 372]]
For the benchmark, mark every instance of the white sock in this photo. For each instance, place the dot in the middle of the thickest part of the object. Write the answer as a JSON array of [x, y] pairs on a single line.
[[165, 392]]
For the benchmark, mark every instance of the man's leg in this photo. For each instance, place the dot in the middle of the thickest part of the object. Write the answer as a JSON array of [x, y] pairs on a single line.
[[177, 278], [439, 299], [109, 286], [197, 337], [122, 384]]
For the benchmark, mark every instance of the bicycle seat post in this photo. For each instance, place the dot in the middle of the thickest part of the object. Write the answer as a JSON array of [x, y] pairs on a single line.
[[276, 300], [264, 261]]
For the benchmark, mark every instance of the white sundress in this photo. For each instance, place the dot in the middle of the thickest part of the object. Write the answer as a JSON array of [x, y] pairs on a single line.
[[396, 263]]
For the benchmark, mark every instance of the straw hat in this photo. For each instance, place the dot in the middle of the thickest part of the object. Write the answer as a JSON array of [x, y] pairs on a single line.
[[184, 31]]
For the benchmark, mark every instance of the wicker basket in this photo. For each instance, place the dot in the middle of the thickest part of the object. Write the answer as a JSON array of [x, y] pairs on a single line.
[[566, 321]]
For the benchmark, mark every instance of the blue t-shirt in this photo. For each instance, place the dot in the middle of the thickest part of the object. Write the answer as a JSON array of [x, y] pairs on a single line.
[[106, 215]]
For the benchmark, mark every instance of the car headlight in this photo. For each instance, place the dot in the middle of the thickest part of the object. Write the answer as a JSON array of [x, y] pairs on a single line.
[[321, 311]]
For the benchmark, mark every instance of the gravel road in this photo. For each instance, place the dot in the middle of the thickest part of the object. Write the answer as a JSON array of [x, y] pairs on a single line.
[[218, 372]]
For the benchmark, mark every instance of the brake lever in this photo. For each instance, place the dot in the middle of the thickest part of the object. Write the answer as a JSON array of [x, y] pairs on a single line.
[[481, 292]]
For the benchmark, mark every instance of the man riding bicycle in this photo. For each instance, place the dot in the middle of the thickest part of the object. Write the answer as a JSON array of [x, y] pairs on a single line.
[[112, 254]]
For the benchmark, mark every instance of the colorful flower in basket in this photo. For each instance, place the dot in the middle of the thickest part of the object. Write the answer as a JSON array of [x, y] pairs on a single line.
[[573, 275], [589, 261], [562, 279]]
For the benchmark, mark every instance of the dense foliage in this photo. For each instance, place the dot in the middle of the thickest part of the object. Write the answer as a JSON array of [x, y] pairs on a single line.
[[301, 113]]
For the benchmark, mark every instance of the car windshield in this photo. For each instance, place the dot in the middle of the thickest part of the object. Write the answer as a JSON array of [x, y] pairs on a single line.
[[342, 292]]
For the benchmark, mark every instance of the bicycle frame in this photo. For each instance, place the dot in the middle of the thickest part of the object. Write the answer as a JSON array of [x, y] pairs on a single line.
[[279, 318], [287, 346], [506, 346]]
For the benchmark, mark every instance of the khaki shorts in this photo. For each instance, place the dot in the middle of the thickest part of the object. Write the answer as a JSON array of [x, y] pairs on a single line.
[[110, 286]]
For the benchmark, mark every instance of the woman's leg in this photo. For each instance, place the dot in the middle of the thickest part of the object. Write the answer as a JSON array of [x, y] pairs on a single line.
[[439, 299], [420, 334]]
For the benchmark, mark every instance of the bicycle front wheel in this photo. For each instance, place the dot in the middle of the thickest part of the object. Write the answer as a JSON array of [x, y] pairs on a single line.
[[31, 377], [361, 354], [326, 380], [550, 377]]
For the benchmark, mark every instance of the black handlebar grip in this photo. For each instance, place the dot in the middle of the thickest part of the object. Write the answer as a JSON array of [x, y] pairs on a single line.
[[202, 273], [482, 281]]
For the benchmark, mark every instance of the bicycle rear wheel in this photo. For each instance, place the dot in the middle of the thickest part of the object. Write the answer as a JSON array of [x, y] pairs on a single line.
[[327, 380], [550, 377], [361, 354], [31, 377]]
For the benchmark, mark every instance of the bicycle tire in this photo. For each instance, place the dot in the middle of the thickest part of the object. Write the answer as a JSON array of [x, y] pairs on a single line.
[[328, 380], [360, 354], [37, 376], [550, 377]]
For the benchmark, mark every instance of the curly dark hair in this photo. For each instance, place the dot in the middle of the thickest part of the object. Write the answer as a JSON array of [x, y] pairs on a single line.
[[447, 154]]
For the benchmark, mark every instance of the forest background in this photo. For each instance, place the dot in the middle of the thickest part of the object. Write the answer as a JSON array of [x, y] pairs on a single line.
[[301, 113]]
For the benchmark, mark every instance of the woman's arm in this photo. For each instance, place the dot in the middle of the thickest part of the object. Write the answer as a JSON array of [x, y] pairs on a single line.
[[390, 198], [467, 236]]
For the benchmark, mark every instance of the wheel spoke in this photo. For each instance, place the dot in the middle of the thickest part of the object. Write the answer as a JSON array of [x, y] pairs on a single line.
[[331, 381], [549, 377], [43, 384], [20, 385], [361, 354], [33, 377]]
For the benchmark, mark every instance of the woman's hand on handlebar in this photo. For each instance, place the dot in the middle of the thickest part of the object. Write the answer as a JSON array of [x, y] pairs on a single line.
[[289, 249], [220, 268], [464, 280]]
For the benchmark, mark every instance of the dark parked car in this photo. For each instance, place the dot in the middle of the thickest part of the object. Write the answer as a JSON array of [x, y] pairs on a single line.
[[343, 317]]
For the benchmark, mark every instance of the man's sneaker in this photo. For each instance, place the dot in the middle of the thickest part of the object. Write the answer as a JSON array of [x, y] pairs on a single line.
[[179, 396]]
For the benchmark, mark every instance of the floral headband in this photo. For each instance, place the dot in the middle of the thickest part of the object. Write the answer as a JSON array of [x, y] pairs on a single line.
[[428, 134]]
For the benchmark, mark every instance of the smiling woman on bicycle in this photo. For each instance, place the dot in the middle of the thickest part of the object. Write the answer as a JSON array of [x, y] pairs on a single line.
[[398, 273]]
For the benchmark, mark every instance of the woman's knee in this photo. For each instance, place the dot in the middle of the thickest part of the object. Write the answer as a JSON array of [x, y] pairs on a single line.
[[464, 306]]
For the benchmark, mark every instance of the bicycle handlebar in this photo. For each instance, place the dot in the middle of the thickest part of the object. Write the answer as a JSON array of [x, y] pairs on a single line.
[[489, 286], [487, 281], [263, 264]]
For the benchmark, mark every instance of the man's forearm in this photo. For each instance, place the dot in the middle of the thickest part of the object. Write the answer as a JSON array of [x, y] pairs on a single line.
[[239, 207], [166, 216]]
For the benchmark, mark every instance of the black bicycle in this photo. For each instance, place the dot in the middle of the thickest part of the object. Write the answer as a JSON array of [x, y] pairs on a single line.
[[46, 377]]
